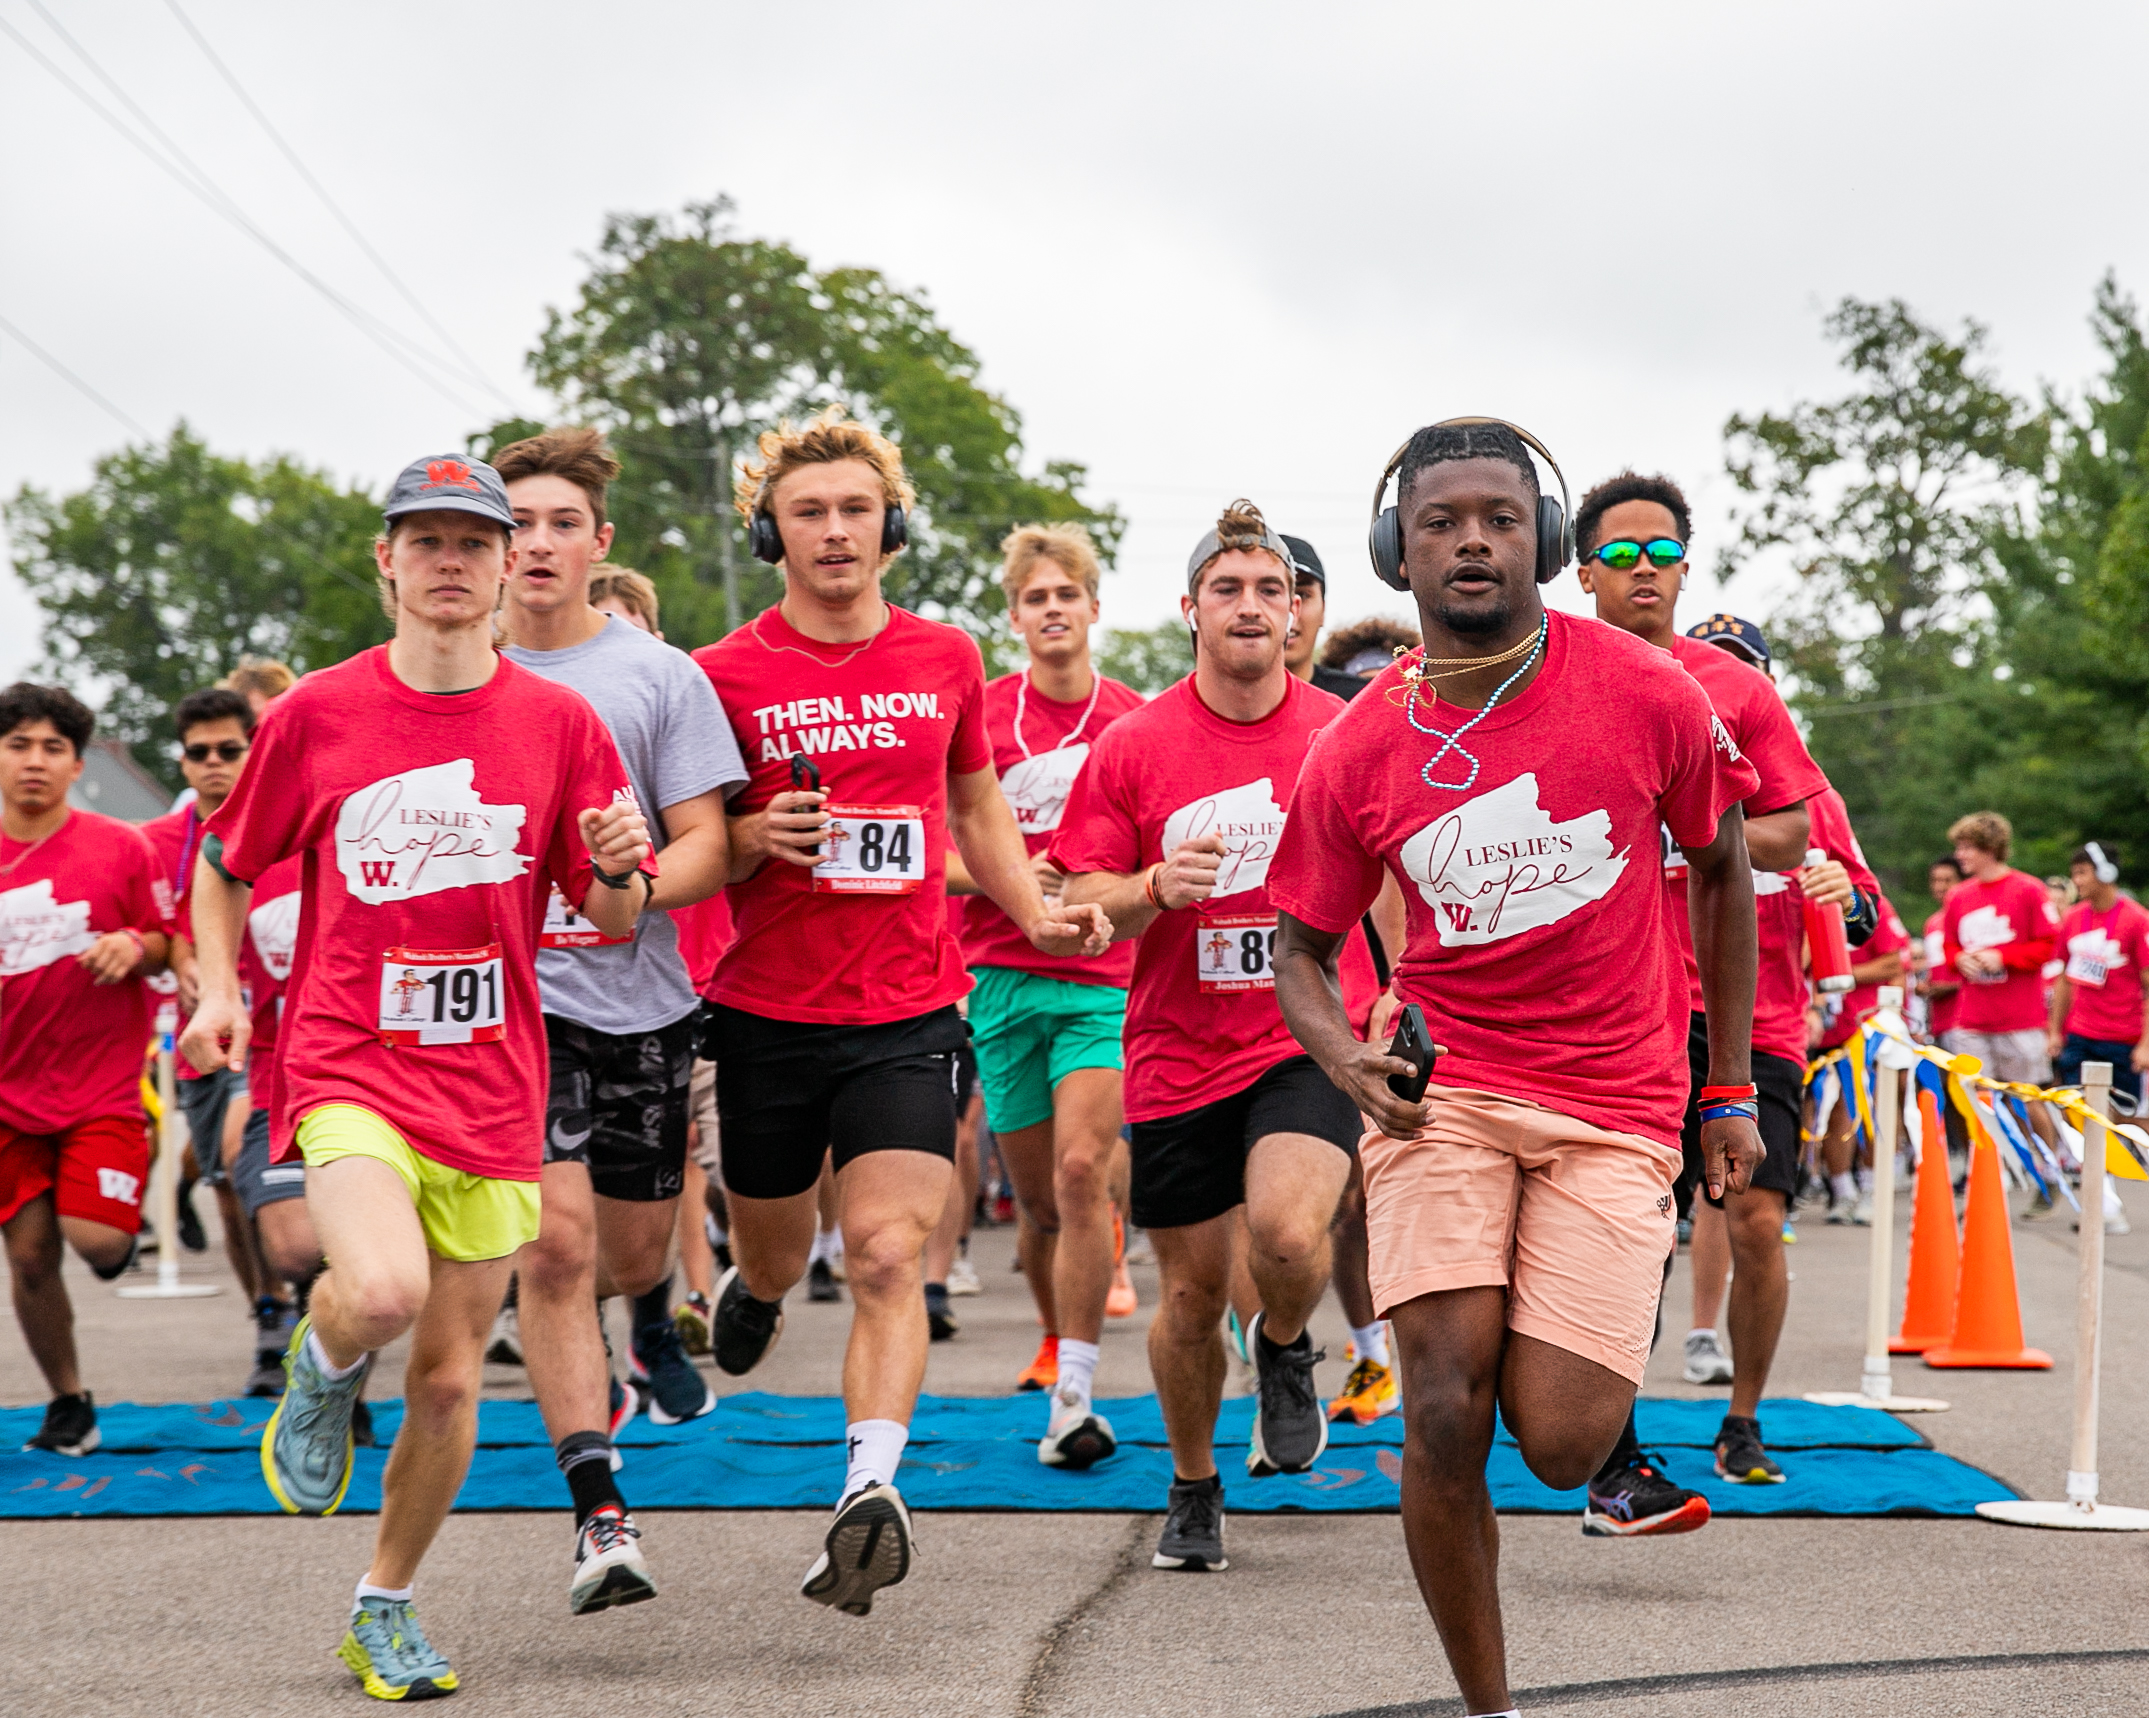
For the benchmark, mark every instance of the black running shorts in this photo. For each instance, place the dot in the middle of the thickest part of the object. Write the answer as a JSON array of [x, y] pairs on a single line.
[[788, 1093], [619, 1105], [1191, 1167], [1781, 1085]]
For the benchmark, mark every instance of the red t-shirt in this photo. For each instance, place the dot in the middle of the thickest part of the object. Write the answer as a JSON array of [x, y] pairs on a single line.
[[1780, 992], [1940, 1010], [2013, 914], [1537, 944], [1037, 763], [1750, 707], [1202, 1020], [429, 826], [865, 939], [1889, 937], [705, 932], [71, 1050], [2104, 953]]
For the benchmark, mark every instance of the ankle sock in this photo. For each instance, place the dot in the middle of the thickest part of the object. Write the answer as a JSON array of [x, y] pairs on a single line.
[[1708, 1330], [819, 1250], [1371, 1341], [936, 1297], [367, 1590], [585, 1460], [1843, 1187], [876, 1448], [1078, 1368], [329, 1369]]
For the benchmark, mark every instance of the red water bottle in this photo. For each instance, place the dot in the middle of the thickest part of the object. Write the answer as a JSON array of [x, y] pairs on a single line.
[[1828, 949]]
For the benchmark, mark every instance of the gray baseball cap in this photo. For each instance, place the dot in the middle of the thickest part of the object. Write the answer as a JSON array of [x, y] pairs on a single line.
[[1211, 546], [449, 482]]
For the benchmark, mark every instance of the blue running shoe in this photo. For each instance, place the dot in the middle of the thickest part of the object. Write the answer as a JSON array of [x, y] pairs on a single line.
[[389, 1654], [306, 1446]]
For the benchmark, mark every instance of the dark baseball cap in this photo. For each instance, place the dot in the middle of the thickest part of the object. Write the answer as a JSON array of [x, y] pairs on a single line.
[[1305, 560], [1734, 634], [451, 483]]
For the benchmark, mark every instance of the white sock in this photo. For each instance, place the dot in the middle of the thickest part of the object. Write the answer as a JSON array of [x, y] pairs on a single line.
[[835, 1242], [713, 1229], [1078, 1368], [329, 1368], [819, 1250], [1843, 1187], [1864, 1179], [367, 1590], [1371, 1341], [876, 1451], [1702, 1330]]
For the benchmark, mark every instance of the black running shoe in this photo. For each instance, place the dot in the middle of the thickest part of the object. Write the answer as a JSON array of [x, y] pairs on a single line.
[[938, 1319], [867, 1548], [676, 1391], [1193, 1536], [744, 1329], [273, 1324], [70, 1427], [361, 1425], [1740, 1457], [1631, 1502], [1290, 1428], [192, 1235], [821, 1282]]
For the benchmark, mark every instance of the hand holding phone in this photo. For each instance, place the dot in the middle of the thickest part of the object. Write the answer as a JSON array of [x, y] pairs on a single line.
[[1412, 1043], [806, 778]]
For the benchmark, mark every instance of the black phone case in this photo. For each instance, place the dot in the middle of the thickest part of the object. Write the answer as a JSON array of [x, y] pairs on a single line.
[[1412, 1043], [806, 775]]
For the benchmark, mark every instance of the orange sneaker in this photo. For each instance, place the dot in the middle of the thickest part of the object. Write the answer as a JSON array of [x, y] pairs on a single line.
[[1122, 1302], [1369, 1393], [1043, 1372]]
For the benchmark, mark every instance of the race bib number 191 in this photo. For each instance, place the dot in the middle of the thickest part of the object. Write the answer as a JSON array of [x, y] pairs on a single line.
[[1235, 951], [872, 850], [443, 996]]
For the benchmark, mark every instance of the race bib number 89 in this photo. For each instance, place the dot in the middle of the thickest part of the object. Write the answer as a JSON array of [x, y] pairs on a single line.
[[872, 850], [443, 996], [1235, 951]]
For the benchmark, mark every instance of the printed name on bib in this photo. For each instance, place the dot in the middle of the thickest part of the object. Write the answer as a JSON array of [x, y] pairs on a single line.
[[566, 928], [1235, 951], [872, 850], [443, 996]]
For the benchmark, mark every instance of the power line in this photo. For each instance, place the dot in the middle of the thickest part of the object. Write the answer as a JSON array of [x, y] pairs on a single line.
[[65, 374], [349, 226], [386, 338]]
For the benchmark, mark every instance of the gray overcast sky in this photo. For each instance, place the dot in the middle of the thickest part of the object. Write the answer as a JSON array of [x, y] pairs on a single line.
[[1208, 250]]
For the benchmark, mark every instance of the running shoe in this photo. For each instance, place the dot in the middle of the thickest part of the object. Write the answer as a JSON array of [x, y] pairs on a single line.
[[273, 1324], [744, 1329], [624, 1404], [1193, 1536], [1368, 1393], [1685, 1231], [835, 1263], [1122, 1301], [1862, 1211], [691, 1318], [2040, 1206], [266, 1381], [1706, 1361], [1043, 1372], [821, 1282], [1290, 1431], [504, 1346], [1139, 1251], [306, 1446], [1740, 1457], [70, 1427], [389, 1654], [362, 1424], [1235, 1336], [1632, 1502], [192, 1235], [1077, 1436], [1839, 1213], [867, 1548], [940, 1323], [608, 1563], [963, 1278], [675, 1391]]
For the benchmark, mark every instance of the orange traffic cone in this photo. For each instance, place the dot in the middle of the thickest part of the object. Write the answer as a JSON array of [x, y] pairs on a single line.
[[1988, 1311], [1935, 1248]]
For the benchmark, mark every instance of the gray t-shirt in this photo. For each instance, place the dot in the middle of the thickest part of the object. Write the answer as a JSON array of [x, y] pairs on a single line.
[[675, 742]]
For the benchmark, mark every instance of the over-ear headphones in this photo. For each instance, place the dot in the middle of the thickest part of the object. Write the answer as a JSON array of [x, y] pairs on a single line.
[[767, 542], [2106, 871], [1555, 532]]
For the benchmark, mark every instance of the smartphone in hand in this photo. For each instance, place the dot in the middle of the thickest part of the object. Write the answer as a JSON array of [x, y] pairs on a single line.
[[1412, 1043], [806, 778]]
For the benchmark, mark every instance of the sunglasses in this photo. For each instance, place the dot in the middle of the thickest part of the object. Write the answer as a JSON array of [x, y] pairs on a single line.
[[229, 751], [1625, 555]]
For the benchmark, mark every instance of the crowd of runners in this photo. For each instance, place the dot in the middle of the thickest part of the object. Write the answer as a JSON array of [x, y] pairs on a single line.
[[527, 961]]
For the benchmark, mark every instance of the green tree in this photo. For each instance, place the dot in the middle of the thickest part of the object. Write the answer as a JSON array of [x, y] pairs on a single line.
[[1147, 658], [175, 561]]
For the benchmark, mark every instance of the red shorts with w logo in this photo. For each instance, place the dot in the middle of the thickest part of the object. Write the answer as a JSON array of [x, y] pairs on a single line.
[[96, 1170]]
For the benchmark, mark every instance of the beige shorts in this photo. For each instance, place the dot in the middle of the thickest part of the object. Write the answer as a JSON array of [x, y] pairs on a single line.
[[1573, 1221], [701, 1106]]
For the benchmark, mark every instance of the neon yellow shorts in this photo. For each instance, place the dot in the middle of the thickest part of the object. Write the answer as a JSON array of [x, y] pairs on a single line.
[[465, 1217]]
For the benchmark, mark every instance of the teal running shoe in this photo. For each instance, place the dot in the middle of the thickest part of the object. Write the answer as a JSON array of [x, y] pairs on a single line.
[[306, 1446], [389, 1654]]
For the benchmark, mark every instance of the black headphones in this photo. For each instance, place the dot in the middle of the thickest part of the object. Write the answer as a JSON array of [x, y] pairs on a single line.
[[767, 542], [1555, 533]]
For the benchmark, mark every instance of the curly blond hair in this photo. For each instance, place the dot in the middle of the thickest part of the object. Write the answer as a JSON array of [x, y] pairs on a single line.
[[1067, 546], [829, 437], [1987, 831]]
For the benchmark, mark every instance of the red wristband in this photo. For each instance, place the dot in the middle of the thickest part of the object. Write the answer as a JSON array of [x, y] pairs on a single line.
[[1149, 888], [1731, 1094]]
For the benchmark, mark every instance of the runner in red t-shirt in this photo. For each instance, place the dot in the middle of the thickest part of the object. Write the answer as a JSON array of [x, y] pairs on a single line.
[[82, 923], [1940, 983], [1171, 829], [2097, 1011], [435, 791], [833, 1025], [1516, 786], [1048, 1029]]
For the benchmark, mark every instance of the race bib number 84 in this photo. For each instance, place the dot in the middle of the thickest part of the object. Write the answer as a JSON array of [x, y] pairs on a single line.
[[443, 996], [872, 850], [1235, 951]]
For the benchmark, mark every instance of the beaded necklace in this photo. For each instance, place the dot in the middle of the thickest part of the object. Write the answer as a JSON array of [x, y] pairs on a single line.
[[1453, 742]]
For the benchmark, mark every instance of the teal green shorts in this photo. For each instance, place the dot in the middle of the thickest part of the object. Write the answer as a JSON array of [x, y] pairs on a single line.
[[1032, 1032]]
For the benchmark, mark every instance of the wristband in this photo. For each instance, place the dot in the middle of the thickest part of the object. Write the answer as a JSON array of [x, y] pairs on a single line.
[[610, 881], [1724, 1112], [1735, 1094], [1149, 888], [141, 948]]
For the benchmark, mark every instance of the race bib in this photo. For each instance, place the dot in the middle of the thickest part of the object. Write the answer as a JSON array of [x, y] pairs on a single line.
[[566, 928], [2091, 957], [443, 996], [872, 850], [1037, 788], [1235, 951]]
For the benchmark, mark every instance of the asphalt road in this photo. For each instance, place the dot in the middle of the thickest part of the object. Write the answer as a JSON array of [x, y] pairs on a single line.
[[1039, 1615]]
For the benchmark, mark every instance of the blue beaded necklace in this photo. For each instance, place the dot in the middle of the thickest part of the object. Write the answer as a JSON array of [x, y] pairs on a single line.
[[1454, 742]]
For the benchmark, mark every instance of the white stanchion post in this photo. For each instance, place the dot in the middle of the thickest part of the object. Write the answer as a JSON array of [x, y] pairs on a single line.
[[1893, 1057], [2082, 1508], [171, 1148]]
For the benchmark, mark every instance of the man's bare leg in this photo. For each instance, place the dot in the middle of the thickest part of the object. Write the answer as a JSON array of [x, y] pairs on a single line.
[[1294, 1183], [1760, 1291], [1709, 1255], [562, 1343], [1186, 1345], [892, 1200]]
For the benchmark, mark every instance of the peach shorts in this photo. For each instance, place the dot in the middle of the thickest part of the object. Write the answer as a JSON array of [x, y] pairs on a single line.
[[1573, 1221]]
